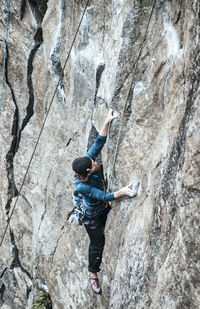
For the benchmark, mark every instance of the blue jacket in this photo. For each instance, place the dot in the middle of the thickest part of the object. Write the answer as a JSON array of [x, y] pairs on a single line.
[[92, 191]]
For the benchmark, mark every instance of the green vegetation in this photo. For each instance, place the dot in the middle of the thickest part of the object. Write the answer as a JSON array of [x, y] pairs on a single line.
[[43, 301]]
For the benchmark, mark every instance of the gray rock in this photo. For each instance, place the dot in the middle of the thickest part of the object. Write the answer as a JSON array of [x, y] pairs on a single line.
[[140, 58]]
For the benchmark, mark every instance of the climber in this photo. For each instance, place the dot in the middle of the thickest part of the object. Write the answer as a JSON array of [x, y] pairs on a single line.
[[90, 185]]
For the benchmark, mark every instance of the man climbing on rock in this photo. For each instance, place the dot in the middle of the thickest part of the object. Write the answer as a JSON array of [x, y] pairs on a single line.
[[95, 201]]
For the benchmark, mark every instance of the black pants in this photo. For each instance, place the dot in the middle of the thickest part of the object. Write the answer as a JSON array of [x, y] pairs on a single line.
[[95, 229]]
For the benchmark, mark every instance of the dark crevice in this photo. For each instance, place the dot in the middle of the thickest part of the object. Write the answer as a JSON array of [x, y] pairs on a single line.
[[12, 190], [3, 272], [69, 141], [55, 59], [35, 11], [28, 291], [117, 91], [99, 72], [158, 164], [26, 200], [43, 215], [2, 289], [57, 243], [58, 70], [15, 126], [2, 285], [128, 109], [159, 69], [22, 9], [128, 105], [178, 13], [56, 63], [38, 8], [178, 17], [16, 261], [16, 133], [29, 110], [167, 78]]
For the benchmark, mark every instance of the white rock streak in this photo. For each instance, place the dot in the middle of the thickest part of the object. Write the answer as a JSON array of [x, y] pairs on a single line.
[[138, 89], [173, 42]]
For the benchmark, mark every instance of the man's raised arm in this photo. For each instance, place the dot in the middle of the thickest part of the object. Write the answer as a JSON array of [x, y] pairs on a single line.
[[109, 118]]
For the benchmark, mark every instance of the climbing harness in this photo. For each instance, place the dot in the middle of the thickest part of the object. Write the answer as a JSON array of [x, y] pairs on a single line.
[[82, 210], [5, 56], [43, 124], [129, 93], [77, 214]]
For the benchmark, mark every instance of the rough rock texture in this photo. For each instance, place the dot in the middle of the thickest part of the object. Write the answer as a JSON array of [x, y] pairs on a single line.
[[141, 58]]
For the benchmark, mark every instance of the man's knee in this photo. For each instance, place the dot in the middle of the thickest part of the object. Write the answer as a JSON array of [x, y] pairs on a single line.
[[97, 248], [98, 241]]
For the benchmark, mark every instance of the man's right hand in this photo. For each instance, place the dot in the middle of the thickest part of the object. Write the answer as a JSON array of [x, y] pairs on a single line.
[[125, 191], [110, 116]]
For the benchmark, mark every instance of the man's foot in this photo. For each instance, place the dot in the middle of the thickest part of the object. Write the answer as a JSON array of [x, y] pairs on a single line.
[[95, 285]]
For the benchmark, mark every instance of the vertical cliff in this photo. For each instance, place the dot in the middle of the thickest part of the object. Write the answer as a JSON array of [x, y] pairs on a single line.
[[142, 59]]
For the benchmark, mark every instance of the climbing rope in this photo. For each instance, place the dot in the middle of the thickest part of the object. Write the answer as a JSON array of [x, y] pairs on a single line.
[[5, 55], [29, 164], [127, 99]]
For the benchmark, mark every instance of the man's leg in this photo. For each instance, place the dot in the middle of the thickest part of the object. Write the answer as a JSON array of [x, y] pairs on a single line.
[[95, 229]]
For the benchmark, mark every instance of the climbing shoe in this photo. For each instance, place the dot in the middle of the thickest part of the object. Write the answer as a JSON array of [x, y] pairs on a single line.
[[96, 288]]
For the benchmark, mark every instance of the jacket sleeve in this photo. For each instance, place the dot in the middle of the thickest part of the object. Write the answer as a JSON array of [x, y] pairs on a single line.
[[90, 192], [96, 147]]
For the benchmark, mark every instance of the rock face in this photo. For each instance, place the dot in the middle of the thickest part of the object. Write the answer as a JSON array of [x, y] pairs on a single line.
[[142, 59]]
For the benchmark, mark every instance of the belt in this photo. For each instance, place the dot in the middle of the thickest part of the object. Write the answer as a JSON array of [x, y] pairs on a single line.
[[92, 208]]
